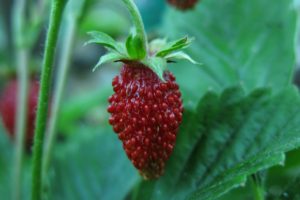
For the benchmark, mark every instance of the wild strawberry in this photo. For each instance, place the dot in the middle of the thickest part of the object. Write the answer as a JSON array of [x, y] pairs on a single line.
[[146, 108], [183, 4], [8, 108], [146, 113]]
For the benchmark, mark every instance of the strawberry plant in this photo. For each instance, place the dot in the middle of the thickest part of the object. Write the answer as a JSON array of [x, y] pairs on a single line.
[[211, 115]]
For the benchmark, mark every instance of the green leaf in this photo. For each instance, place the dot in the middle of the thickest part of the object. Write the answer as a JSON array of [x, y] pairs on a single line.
[[3, 37], [135, 49], [107, 58], [174, 46], [5, 164], [105, 40], [79, 106], [249, 42], [237, 176], [158, 66], [91, 165], [180, 56], [283, 182], [291, 191], [228, 138]]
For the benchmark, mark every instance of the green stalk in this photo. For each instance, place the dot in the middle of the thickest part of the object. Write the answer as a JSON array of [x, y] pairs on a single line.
[[258, 190], [138, 22], [21, 125], [63, 67], [42, 111], [21, 53]]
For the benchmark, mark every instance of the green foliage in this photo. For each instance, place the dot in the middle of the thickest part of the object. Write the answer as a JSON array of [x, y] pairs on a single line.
[[291, 191], [5, 164], [113, 25], [248, 42], [232, 135], [96, 167], [241, 112], [228, 138]]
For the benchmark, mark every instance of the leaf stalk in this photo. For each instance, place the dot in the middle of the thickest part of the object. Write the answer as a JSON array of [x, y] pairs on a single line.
[[57, 9]]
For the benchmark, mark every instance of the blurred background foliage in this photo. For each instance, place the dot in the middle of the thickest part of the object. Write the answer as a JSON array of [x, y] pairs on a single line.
[[246, 46]]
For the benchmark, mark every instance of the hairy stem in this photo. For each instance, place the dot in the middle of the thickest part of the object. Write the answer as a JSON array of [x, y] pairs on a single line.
[[42, 111], [21, 53], [63, 66], [137, 21]]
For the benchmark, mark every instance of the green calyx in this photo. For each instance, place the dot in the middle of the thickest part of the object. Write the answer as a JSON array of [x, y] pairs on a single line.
[[154, 55]]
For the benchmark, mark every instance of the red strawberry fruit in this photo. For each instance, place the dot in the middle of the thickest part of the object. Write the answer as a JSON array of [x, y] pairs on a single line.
[[146, 107], [183, 4], [146, 113], [8, 108]]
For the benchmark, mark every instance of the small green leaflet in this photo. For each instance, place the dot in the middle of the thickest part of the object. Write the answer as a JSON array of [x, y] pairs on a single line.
[[180, 55], [174, 46], [109, 57], [158, 65], [105, 40]]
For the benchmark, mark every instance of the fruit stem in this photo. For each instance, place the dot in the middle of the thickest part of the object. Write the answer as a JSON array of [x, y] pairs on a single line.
[[138, 22], [57, 9], [257, 188], [63, 67], [21, 53]]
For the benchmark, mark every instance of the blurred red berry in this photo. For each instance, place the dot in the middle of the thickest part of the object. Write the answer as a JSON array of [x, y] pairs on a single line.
[[146, 113], [183, 4], [8, 108]]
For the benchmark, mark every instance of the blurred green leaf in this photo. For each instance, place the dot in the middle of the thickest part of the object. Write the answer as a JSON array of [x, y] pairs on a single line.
[[77, 108], [146, 8], [116, 24], [248, 42], [229, 137], [291, 191], [92, 165], [283, 180], [3, 39], [5, 164]]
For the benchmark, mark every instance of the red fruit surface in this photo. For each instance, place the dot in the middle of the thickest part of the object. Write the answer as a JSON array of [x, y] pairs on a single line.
[[8, 108], [183, 4], [146, 113]]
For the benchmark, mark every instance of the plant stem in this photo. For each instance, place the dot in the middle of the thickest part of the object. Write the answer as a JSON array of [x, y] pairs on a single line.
[[21, 53], [63, 67], [21, 125], [257, 188], [137, 21], [42, 111]]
